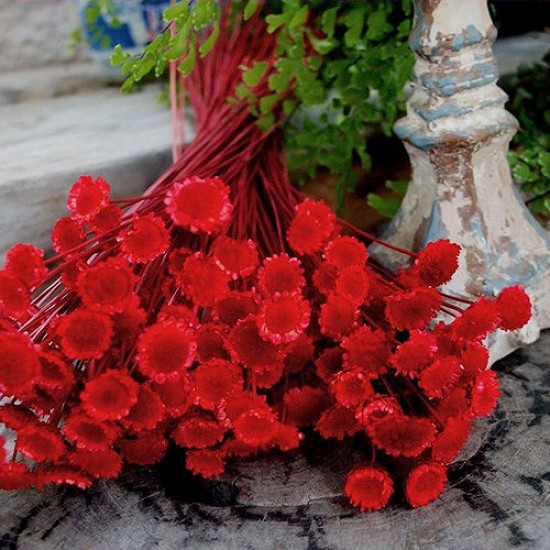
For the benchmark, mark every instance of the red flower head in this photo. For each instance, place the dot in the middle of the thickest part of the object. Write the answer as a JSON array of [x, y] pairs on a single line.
[[235, 258], [240, 402], [107, 286], [104, 464], [107, 219], [146, 449], [26, 262], [415, 354], [15, 299], [16, 417], [369, 488], [378, 409], [514, 308], [211, 343], [89, 433], [450, 441], [19, 363], [345, 251], [15, 476], [204, 462], [129, 322], [249, 347], [401, 435], [477, 321], [87, 198], [110, 396], [485, 393], [298, 354], [85, 334], [454, 404], [71, 271], [147, 412], [235, 306], [366, 350], [40, 443], [413, 310], [255, 427], [66, 235], [325, 278], [281, 273], [66, 475], [146, 239], [203, 281], [199, 204], [180, 314], [198, 432], [353, 283], [337, 422], [329, 363], [164, 350], [351, 388], [338, 317], [287, 437], [303, 406], [311, 226], [283, 317], [267, 376], [215, 380], [56, 376], [474, 358], [175, 393], [437, 378], [425, 483], [437, 263]]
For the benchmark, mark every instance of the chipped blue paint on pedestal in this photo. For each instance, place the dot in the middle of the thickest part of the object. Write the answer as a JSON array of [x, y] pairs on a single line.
[[457, 133]]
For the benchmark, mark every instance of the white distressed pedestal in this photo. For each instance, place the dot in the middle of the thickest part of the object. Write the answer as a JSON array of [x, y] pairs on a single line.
[[456, 133]]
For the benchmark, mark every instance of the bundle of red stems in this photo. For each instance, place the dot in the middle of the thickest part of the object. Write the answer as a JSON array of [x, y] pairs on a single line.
[[224, 313]]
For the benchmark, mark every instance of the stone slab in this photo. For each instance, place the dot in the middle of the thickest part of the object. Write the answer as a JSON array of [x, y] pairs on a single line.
[[498, 494]]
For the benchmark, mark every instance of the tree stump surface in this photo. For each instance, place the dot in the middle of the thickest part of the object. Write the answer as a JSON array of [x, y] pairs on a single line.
[[498, 494]]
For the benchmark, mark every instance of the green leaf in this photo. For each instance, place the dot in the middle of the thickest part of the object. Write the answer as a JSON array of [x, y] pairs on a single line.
[[93, 11], [119, 56], [268, 102], [250, 8], [203, 12], [242, 92], [179, 10], [274, 21], [544, 162], [188, 64], [328, 21], [253, 75], [208, 44], [299, 18], [128, 85], [377, 25], [524, 173], [387, 207], [266, 122], [179, 43], [322, 45], [399, 186]]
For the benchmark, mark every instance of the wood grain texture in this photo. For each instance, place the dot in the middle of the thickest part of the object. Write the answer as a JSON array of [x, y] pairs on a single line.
[[498, 496]]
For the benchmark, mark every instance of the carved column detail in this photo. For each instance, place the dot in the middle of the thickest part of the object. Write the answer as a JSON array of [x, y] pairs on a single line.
[[457, 133]]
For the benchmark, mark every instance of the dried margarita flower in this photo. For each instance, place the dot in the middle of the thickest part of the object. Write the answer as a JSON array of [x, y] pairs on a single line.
[[26, 262], [145, 240], [199, 204], [437, 262], [19, 363], [88, 197], [15, 300], [281, 273], [369, 488], [165, 350], [205, 462], [425, 483], [110, 396], [283, 317]]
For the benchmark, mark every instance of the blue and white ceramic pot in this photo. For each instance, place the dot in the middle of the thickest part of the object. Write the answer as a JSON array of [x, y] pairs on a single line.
[[140, 21]]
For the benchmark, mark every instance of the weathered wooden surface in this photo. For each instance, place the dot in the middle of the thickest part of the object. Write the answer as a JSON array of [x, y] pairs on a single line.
[[498, 496]]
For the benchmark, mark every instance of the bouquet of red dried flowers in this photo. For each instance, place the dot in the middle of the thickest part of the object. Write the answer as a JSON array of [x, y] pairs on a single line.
[[224, 312]]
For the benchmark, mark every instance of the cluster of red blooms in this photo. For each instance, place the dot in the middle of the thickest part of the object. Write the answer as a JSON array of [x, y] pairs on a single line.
[[244, 353], [231, 316]]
